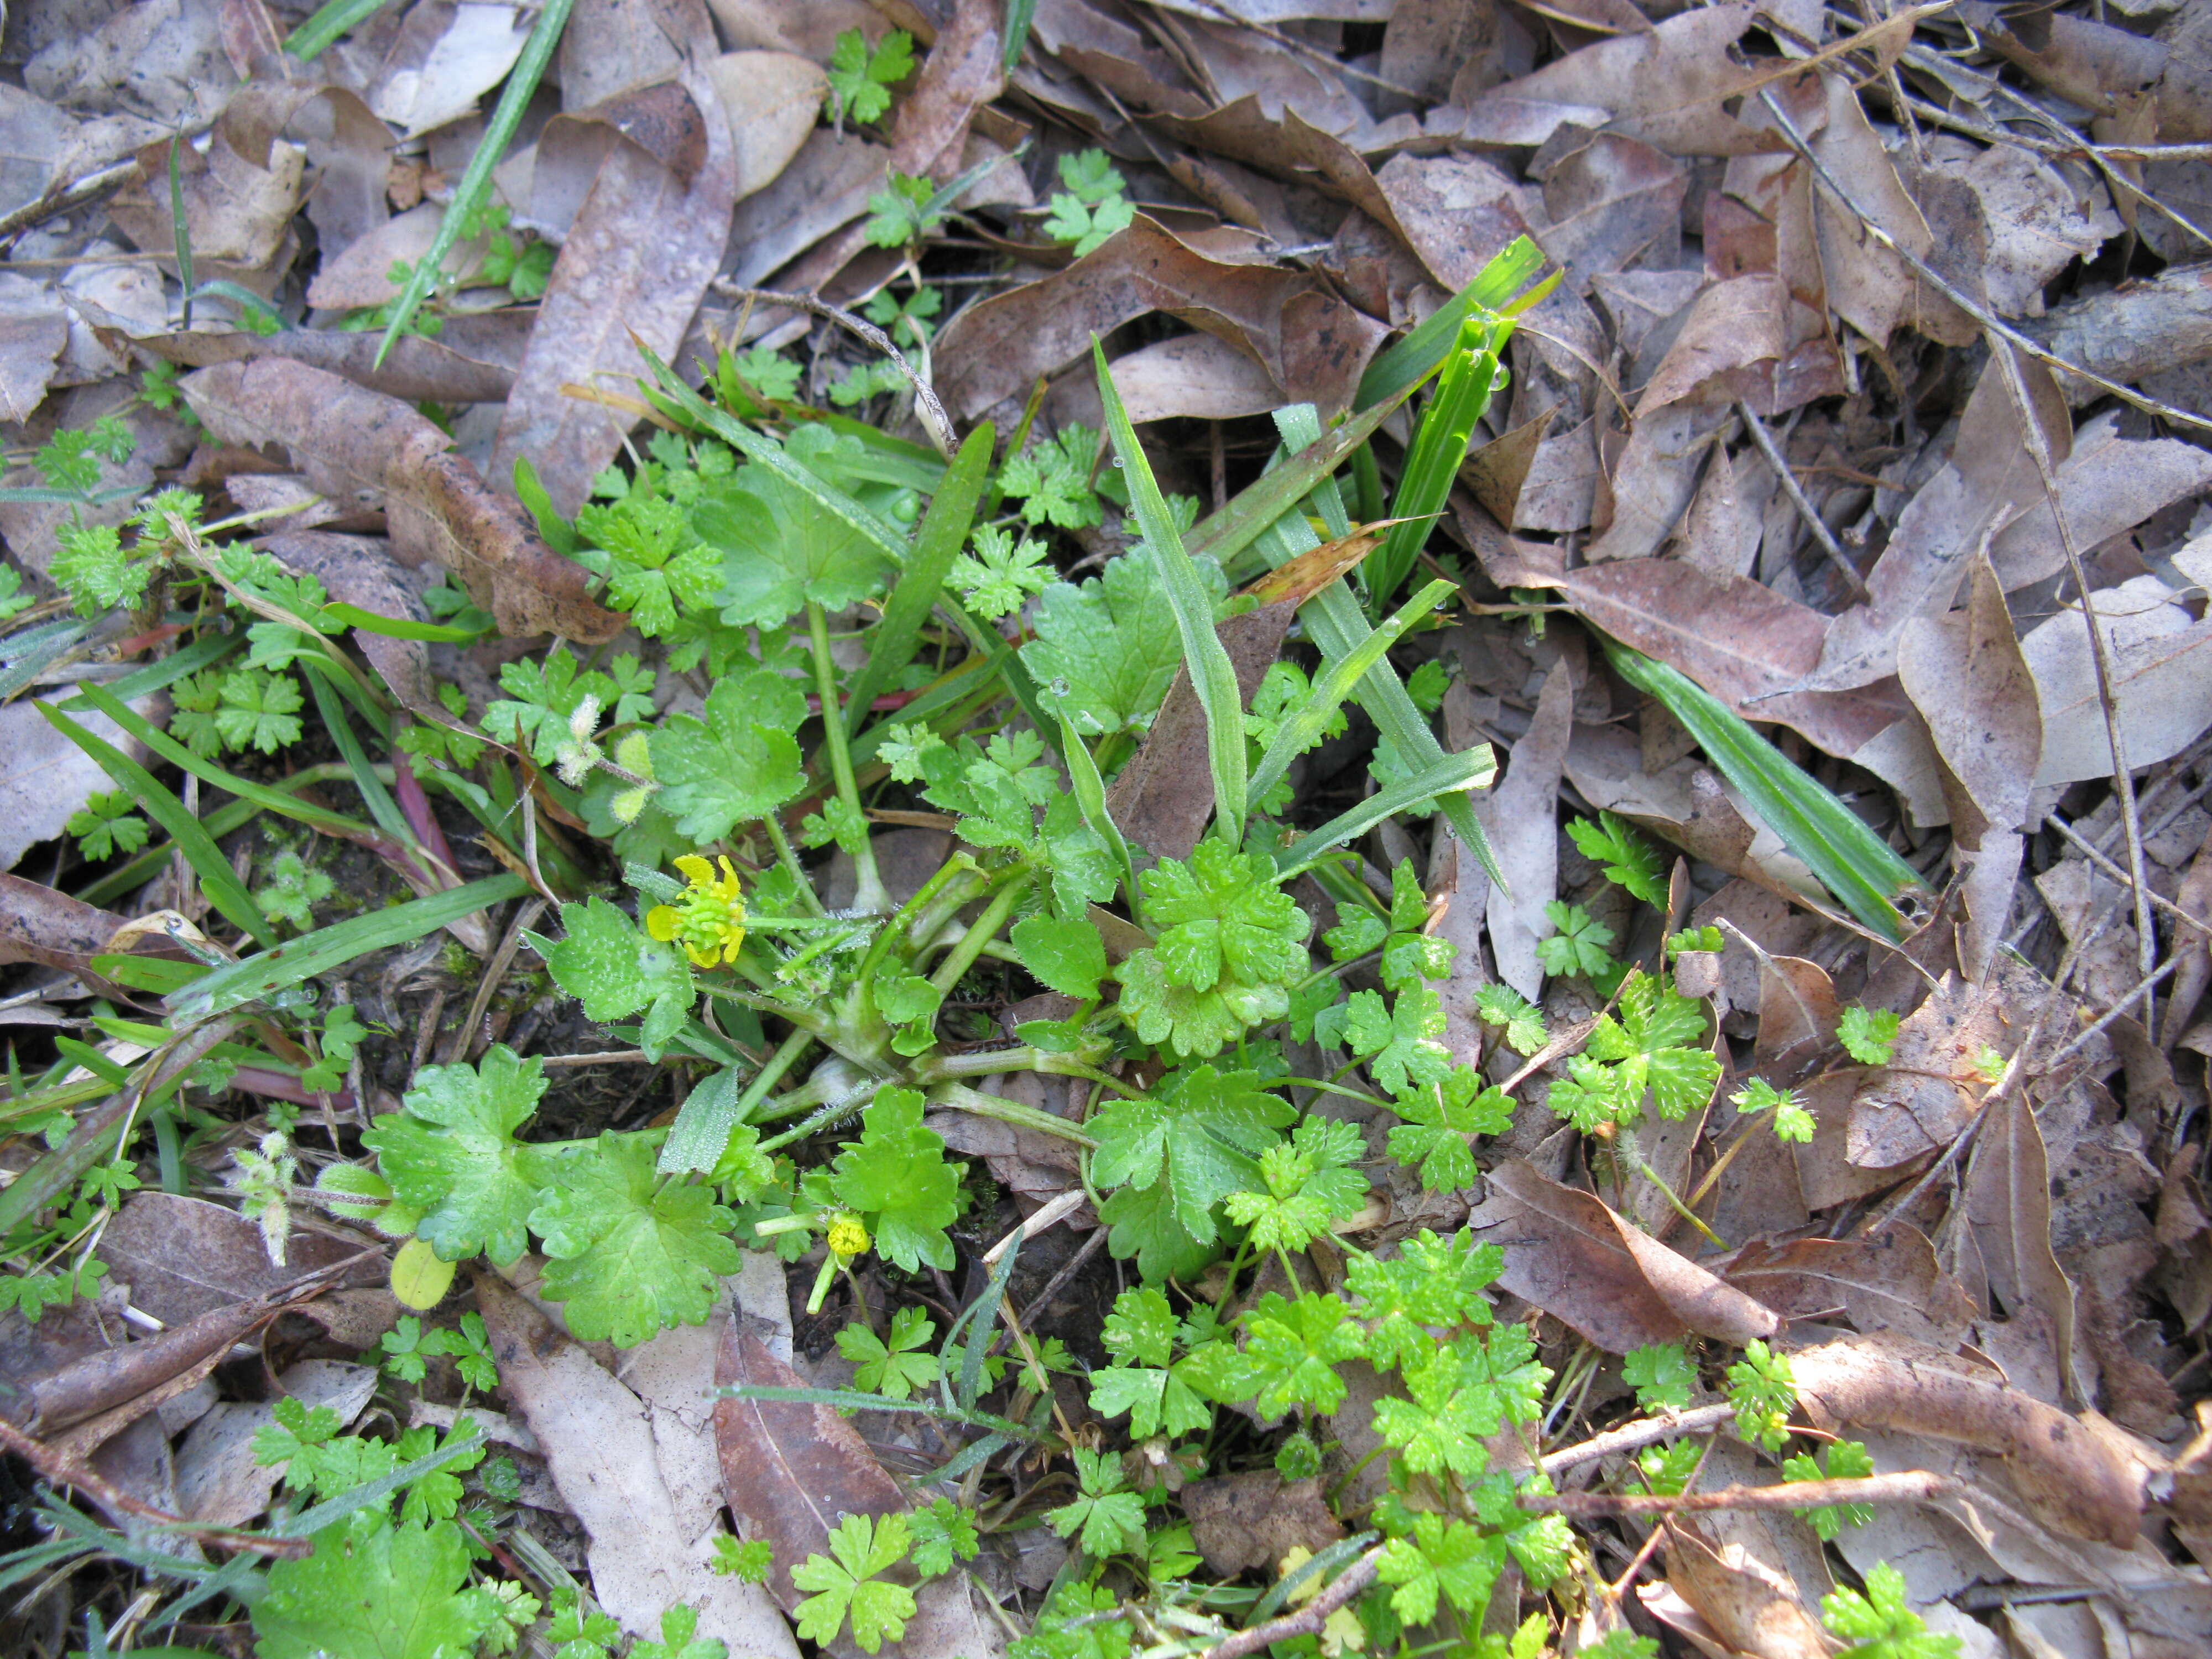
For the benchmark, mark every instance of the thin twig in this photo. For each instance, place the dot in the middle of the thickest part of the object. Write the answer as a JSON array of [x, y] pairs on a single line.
[[1629, 1436], [90, 188], [934, 420], [609, 1057], [2090, 852], [2123, 783], [2142, 988], [1966, 302], [1907, 1487], [63, 1472], [1796, 492], [1307, 1620]]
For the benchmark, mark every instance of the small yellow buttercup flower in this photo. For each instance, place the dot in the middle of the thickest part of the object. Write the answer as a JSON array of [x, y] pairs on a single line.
[[708, 917], [847, 1237]]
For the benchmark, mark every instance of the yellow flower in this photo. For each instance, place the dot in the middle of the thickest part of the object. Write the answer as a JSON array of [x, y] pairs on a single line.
[[847, 1237], [708, 917]]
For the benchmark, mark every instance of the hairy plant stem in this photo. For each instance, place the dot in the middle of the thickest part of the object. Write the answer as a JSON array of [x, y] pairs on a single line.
[[960, 1097], [899, 924], [981, 933], [789, 860], [868, 897], [771, 1073], [1630, 1156]]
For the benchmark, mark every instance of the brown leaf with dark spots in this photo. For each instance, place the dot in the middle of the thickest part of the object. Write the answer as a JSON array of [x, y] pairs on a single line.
[[361, 445], [1797, 1013], [2078, 1482], [1574, 1257], [1241, 1522], [964, 70], [632, 271], [1888, 1281], [790, 1469], [38, 924], [1748, 1605], [1315, 345], [2008, 1204]]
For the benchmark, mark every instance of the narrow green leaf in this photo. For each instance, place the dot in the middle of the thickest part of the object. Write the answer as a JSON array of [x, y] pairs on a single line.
[[399, 628], [1336, 683], [1091, 799], [1212, 676], [982, 1315], [1222, 536], [944, 532], [1338, 625], [476, 183], [29, 652], [331, 707], [1851, 862], [326, 948], [1441, 780], [1470, 375], [332, 22], [180, 231], [1019, 14], [224, 890], [852, 1399], [1400, 367], [211, 648]]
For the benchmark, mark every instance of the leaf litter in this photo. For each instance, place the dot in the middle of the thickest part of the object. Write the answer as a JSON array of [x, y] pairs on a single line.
[[1376, 1152]]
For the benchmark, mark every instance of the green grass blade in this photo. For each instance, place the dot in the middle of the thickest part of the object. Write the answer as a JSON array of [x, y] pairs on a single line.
[[469, 194], [29, 652], [1451, 776], [224, 890], [944, 532], [399, 628], [1089, 789], [1222, 536], [326, 948], [1470, 375], [180, 231], [1212, 676], [982, 1317], [274, 801], [1853, 862], [332, 706], [1337, 624], [1303, 728], [1400, 367], [167, 671], [331, 24], [1019, 14]]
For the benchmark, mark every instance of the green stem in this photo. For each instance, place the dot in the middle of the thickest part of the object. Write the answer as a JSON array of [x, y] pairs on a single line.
[[868, 897], [962, 1098], [771, 1075], [805, 1019], [981, 933], [1336, 1089], [945, 873], [789, 860], [1631, 1157]]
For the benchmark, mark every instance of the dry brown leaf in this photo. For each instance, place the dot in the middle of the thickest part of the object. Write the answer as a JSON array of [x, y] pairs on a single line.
[[417, 368], [1314, 346], [1747, 1604], [1612, 202], [1571, 1255], [2006, 221], [44, 777], [1518, 816], [2125, 333], [601, 1445], [2007, 1205], [1733, 326], [1931, 1090], [347, 149], [2079, 1480], [770, 99], [1654, 480], [1888, 1281], [1241, 1522], [447, 55], [219, 1483], [963, 72], [1967, 675], [1665, 87], [633, 270], [361, 446], [1797, 1013], [38, 924], [184, 1257], [790, 1469], [2106, 485], [614, 46], [1194, 375]]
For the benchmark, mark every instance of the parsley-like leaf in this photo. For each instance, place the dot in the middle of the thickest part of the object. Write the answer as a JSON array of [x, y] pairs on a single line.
[[1578, 946], [1308, 1183], [630, 1257], [1439, 1118], [738, 763], [845, 1582], [1501, 1005], [1106, 652], [1198, 1132], [895, 1368], [1868, 1034], [999, 573], [1662, 1375], [1846, 1460], [1106, 1519], [1881, 1624], [1629, 859], [942, 1531], [451, 1154], [781, 547], [896, 1177], [1645, 1049], [860, 79], [1231, 943]]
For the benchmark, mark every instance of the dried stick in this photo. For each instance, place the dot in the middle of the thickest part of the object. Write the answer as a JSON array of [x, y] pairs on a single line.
[[1796, 492], [1909, 1486], [1309, 1618], [1966, 302], [1629, 1436]]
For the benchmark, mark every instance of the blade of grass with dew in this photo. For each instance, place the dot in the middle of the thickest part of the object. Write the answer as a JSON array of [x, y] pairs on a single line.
[[1404, 365], [1019, 14], [224, 890], [1338, 625], [1471, 374], [1452, 775], [1222, 536], [469, 194], [326, 948], [944, 532], [1855, 864], [1212, 676], [332, 22], [1303, 728], [180, 231], [274, 801]]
